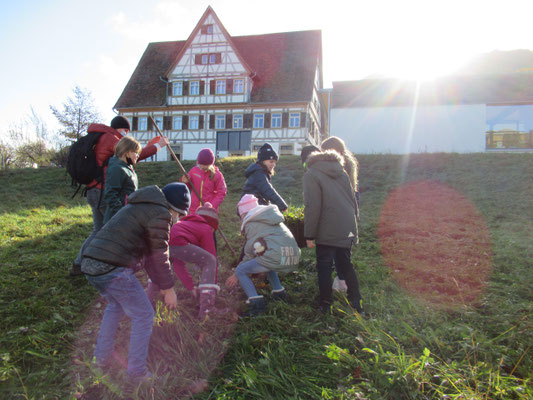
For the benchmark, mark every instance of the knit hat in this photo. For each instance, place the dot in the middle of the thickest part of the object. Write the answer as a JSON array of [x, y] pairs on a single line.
[[120, 122], [208, 212], [306, 150], [247, 202], [206, 157], [178, 197], [266, 152]]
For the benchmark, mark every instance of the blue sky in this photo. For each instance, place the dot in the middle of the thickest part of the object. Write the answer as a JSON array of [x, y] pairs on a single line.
[[49, 46]]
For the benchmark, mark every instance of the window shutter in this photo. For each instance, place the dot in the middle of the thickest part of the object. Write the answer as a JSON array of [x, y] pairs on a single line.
[[202, 87], [302, 119], [201, 122], [185, 88], [203, 30], [229, 86], [229, 121], [212, 86], [247, 121], [166, 123], [267, 120], [149, 124], [197, 59], [185, 122], [284, 120], [135, 124], [212, 121], [218, 58]]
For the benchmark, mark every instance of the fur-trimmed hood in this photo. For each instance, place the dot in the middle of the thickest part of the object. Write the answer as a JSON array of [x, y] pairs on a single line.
[[329, 162]]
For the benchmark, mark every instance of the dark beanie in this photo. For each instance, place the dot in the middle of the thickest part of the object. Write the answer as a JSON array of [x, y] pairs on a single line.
[[120, 122], [178, 197], [306, 150], [266, 152], [206, 157]]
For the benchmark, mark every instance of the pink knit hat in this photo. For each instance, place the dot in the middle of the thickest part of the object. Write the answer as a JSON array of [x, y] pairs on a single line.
[[247, 202], [206, 157]]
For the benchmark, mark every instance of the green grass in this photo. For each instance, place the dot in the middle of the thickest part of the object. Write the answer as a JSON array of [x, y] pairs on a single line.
[[409, 348]]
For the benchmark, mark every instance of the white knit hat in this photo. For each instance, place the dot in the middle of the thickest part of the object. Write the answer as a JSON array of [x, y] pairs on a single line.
[[247, 202]]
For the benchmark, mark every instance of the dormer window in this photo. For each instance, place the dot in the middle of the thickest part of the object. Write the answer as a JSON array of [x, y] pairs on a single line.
[[207, 29]]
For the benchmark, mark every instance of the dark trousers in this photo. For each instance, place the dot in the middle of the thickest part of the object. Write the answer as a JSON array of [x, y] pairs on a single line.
[[325, 255]]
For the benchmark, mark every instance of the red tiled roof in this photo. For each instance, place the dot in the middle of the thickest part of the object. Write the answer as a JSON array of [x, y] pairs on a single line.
[[284, 66], [453, 89]]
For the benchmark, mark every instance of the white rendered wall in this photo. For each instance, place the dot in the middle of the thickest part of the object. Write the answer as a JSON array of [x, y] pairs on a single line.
[[401, 130]]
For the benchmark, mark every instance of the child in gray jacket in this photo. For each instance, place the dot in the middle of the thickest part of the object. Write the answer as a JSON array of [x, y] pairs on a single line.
[[270, 247]]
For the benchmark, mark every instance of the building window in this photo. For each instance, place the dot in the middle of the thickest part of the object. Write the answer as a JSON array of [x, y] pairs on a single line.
[[237, 121], [159, 122], [220, 122], [238, 86], [275, 121], [259, 121], [177, 88], [221, 87], [194, 88], [176, 123], [212, 58], [205, 58], [286, 149], [193, 121], [256, 147], [294, 120], [143, 123], [207, 29]]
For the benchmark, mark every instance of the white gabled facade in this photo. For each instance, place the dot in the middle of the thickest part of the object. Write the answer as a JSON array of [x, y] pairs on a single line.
[[208, 103]]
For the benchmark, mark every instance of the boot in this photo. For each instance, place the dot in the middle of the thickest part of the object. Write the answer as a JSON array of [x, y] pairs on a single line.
[[257, 306], [207, 299], [279, 295], [75, 270]]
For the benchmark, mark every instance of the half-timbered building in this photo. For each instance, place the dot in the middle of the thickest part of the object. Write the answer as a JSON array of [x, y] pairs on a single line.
[[228, 93]]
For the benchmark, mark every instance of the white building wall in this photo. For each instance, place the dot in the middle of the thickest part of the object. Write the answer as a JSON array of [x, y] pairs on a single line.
[[401, 130]]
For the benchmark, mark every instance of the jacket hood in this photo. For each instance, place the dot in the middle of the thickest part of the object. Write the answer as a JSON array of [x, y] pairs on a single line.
[[194, 218], [251, 169], [103, 128], [265, 214], [117, 161], [148, 194], [329, 162]]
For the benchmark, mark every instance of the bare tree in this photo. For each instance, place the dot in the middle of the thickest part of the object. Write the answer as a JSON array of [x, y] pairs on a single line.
[[77, 113], [7, 155]]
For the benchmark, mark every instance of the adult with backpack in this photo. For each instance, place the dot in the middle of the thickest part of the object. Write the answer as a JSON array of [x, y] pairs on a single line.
[[87, 164]]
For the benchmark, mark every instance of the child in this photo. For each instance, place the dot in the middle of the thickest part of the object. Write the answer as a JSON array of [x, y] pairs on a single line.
[[258, 176], [351, 166], [270, 247], [191, 241], [330, 223], [121, 179], [208, 181], [140, 229]]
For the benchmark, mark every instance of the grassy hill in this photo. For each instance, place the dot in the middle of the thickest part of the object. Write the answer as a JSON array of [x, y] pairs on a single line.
[[444, 264]]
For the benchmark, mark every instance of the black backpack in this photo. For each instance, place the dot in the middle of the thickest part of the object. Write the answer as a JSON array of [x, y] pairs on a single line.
[[81, 161]]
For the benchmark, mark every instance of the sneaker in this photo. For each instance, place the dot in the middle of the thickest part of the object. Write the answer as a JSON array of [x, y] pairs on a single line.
[[75, 270], [136, 380], [279, 295]]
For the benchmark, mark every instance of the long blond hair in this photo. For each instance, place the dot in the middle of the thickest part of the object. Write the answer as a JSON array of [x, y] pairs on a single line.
[[351, 166]]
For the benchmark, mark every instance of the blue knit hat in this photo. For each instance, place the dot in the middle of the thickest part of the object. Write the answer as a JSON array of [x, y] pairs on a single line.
[[178, 197]]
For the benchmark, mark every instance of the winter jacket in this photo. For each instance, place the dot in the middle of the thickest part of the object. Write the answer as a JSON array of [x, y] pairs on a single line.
[[105, 148], [121, 180], [258, 184], [138, 230], [212, 190], [329, 215], [192, 229], [266, 222]]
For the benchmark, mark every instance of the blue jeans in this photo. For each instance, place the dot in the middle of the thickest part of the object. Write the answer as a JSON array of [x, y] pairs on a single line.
[[125, 295], [253, 267], [93, 195]]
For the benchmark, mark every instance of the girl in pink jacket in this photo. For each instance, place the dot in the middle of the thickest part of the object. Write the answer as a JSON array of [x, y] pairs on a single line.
[[208, 181], [191, 241]]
